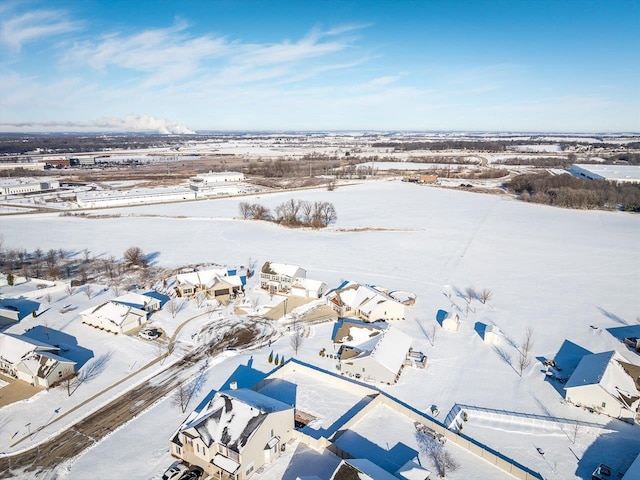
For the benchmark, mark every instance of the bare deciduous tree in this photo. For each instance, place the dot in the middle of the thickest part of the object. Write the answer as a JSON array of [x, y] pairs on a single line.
[[434, 329], [444, 461], [69, 288], [187, 390], [52, 264], [134, 256], [88, 290], [575, 429], [470, 294], [485, 295], [201, 298], [70, 382], [297, 339], [115, 286], [524, 353]]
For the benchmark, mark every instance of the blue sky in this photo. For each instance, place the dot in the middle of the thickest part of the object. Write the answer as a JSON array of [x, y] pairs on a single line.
[[517, 65]]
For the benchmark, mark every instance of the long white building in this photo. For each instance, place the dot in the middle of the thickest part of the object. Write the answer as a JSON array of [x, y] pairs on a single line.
[[611, 173]]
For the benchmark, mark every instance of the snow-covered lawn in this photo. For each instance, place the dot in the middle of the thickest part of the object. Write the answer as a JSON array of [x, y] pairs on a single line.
[[560, 272]]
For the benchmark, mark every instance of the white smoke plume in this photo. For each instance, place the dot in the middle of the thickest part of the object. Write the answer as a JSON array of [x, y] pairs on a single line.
[[130, 123]]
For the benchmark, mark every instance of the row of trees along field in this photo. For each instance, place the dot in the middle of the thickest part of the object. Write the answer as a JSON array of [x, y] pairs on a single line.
[[571, 192], [293, 213]]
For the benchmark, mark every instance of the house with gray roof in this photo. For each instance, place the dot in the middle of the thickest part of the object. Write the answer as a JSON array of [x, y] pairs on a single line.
[[233, 433]]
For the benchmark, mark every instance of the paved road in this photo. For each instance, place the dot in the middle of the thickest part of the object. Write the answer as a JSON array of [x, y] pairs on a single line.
[[72, 441]]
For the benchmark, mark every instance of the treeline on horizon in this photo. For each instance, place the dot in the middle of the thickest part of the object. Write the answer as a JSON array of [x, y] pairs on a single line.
[[493, 146], [568, 191]]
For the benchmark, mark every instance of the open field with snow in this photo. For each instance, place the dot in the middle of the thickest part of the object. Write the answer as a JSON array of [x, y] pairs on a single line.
[[569, 275]]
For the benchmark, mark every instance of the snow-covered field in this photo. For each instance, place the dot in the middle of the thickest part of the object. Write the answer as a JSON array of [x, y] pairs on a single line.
[[560, 272]]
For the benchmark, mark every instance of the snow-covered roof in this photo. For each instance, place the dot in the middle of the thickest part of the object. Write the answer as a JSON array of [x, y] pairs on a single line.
[[231, 417], [363, 297], [202, 277], [282, 269], [605, 370], [225, 463], [135, 300], [40, 364], [355, 332], [366, 470], [388, 349], [112, 312], [412, 471], [308, 284], [14, 348]]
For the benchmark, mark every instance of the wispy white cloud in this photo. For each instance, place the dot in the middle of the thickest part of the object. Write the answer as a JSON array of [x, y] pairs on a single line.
[[350, 27], [18, 30], [169, 55]]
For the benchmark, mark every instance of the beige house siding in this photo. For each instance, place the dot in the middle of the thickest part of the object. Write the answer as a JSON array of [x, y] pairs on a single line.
[[594, 397], [367, 368], [253, 455]]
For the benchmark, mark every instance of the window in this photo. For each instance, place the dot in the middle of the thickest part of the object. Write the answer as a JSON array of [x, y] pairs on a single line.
[[249, 469], [178, 450], [604, 404], [363, 369], [271, 436]]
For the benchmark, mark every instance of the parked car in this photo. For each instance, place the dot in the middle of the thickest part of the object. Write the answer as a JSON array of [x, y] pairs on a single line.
[[150, 333], [175, 472], [195, 473]]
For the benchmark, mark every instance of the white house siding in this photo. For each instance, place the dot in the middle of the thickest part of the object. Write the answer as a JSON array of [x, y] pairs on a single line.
[[594, 396]]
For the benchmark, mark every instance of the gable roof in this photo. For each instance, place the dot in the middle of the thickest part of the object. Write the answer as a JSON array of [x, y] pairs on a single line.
[[41, 364], [347, 330], [605, 369], [308, 284], [362, 297], [282, 269], [13, 348], [207, 278], [135, 300], [389, 349], [113, 312], [231, 417]]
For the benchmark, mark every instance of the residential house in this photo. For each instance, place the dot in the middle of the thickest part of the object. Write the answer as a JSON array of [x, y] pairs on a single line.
[[607, 383], [306, 287], [233, 433], [364, 302], [354, 332], [279, 277], [114, 317], [32, 361], [379, 359], [219, 284], [144, 301]]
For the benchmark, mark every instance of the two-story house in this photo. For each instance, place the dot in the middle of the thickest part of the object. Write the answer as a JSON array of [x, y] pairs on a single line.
[[232, 433], [278, 277]]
